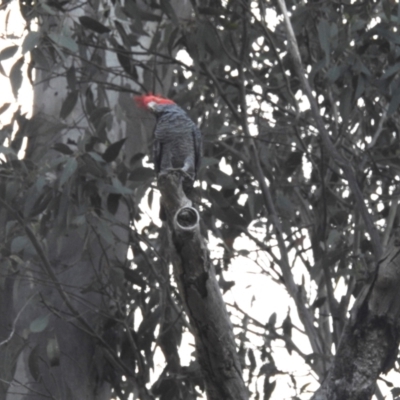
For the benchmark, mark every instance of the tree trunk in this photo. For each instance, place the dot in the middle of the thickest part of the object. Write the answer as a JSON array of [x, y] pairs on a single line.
[[63, 357], [53, 313], [370, 341]]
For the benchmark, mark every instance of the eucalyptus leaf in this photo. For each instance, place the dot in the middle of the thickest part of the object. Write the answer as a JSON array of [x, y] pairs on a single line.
[[16, 76], [64, 41], [46, 9], [19, 243], [126, 62], [169, 10], [93, 25], [219, 177], [71, 78], [63, 148], [32, 39], [69, 104], [142, 174], [8, 52], [7, 150], [53, 351], [4, 107], [324, 38], [33, 363], [119, 188], [113, 150], [69, 169], [392, 70], [39, 324]]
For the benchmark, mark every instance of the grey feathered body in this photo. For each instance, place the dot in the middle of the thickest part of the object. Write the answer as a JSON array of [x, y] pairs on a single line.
[[177, 143]]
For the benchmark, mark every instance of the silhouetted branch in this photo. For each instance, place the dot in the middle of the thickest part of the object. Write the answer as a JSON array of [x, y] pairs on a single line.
[[201, 295], [334, 153]]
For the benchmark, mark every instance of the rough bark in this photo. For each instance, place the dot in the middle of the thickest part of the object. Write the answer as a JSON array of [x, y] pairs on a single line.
[[200, 293], [370, 341], [74, 326]]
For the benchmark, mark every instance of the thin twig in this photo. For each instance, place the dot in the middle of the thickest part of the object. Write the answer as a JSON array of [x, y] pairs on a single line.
[[45, 263], [378, 129], [334, 153], [390, 221], [5, 341], [305, 315]]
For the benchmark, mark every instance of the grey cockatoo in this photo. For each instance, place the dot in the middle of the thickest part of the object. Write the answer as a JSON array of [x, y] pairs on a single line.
[[177, 140]]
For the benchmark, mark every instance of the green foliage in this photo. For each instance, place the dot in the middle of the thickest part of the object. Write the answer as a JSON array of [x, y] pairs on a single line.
[[241, 85]]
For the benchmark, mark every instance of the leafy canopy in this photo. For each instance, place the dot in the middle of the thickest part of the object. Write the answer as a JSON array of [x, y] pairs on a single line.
[[239, 82]]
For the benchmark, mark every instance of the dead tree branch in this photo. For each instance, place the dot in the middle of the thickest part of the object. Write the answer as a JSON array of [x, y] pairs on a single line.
[[200, 293]]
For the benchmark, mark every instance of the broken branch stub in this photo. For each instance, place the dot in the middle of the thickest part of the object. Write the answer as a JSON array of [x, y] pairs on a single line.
[[186, 219], [201, 295]]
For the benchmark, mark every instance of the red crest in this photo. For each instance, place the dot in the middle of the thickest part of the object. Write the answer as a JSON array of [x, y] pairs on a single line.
[[144, 100]]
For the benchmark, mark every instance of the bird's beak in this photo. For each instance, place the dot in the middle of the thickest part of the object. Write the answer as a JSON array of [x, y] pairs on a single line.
[[151, 105]]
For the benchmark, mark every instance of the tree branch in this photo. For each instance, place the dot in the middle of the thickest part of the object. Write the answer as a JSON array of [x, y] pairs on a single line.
[[5, 341], [305, 315], [334, 153], [200, 293], [48, 269], [371, 338]]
